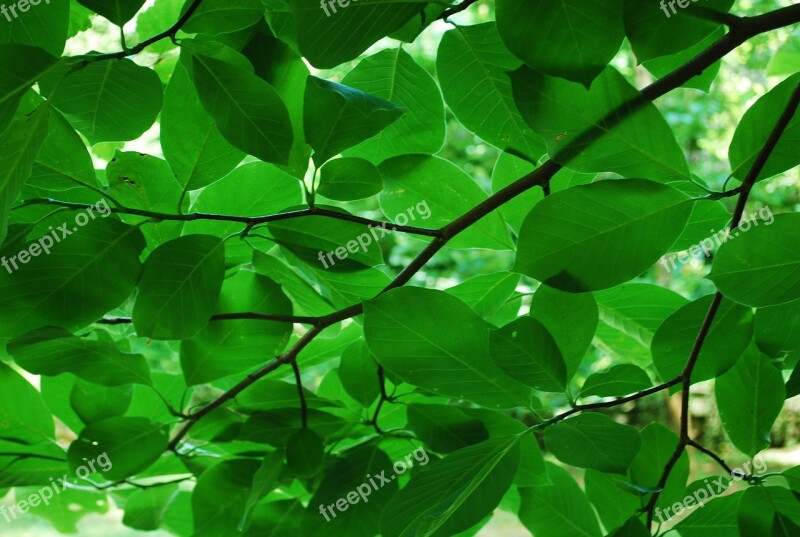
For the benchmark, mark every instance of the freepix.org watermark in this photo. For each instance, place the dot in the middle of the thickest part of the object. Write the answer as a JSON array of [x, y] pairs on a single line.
[[23, 6], [711, 489], [44, 244], [329, 6], [56, 487], [363, 491], [365, 239], [682, 4], [707, 245]]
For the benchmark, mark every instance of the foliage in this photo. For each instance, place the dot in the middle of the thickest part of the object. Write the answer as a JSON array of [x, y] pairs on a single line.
[[250, 319]]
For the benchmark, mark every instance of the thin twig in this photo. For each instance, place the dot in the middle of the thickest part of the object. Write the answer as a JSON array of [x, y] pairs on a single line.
[[303, 406]]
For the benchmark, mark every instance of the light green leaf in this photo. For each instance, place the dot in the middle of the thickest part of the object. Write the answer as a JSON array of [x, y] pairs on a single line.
[[621, 379], [594, 441], [117, 11], [44, 25], [346, 179], [526, 351]]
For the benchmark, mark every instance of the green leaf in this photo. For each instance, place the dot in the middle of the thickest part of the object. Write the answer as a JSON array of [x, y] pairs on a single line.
[[227, 347], [472, 63], [630, 314], [661, 67], [445, 428], [195, 149], [94, 403], [117, 11], [179, 288], [346, 179], [658, 445], [586, 129], [570, 318], [454, 363], [614, 503], [729, 336], [352, 243], [526, 351], [717, 518], [359, 116], [393, 75], [755, 128], [146, 509], [131, 445], [786, 59], [658, 29], [647, 218], [334, 33], [52, 351], [24, 417], [438, 192], [275, 427], [746, 269], [276, 518], [20, 67], [304, 452], [621, 379], [91, 273], [595, 441], [220, 497], [265, 480], [455, 493], [44, 25], [359, 373], [777, 329], [558, 510], [749, 397], [97, 96], [632, 528], [488, 294], [215, 17], [574, 40], [248, 111], [348, 482], [19, 146], [140, 181]]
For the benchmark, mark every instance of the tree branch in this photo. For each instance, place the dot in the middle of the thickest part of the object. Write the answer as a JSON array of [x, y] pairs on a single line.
[[298, 378], [231, 317]]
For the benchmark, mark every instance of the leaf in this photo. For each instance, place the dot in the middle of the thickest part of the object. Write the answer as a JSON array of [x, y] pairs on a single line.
[[658, 445], [647, 218], [755, 128], [140, 181], [220, 497], [348, 483], [346, 179], [558, 510], [454, 363], [94, 403], [91, 273], [488, 294], [117, 11], [265, 480], [179, 288], [728, 337], [632, 528], [759, 268], [656, 30], [609, 127], [97, 96], [438, 192], [46, 27], [526, 351], [248, 112], [226, 347], [445, 428], [146, 509], [331, 34], [472, 63], [24, 417], [777, 329], [19, 146], [621, 379], [131, 445], [594, 441], [393, 75], [358, 116], [455, 493], [195, 149], [716, 519], [749, 397], [614, 503], [304, 452], [215, 17], [570, 318], [52, 351], [359, 373], [575, 40], [20, 67]]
